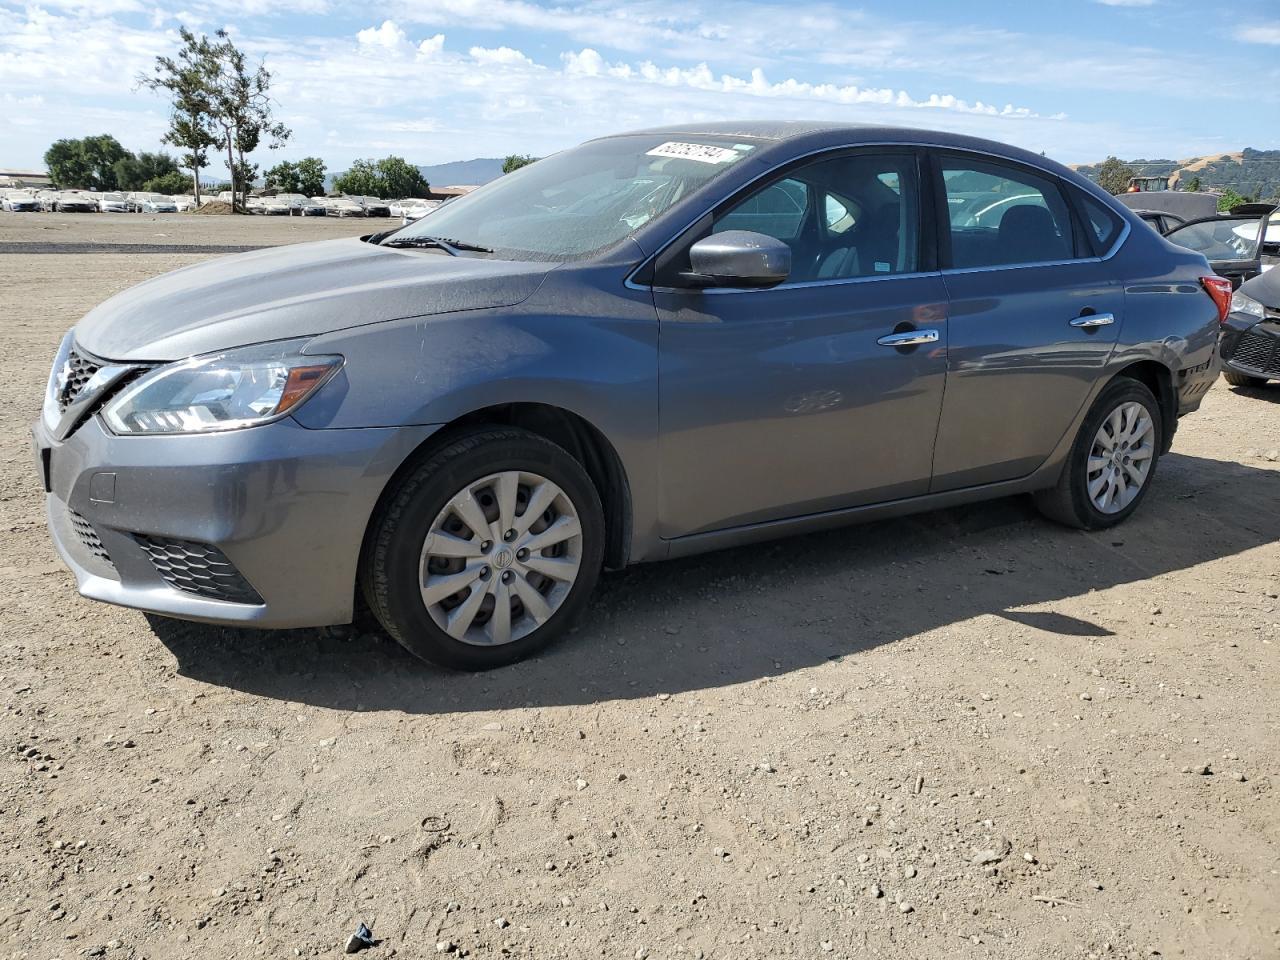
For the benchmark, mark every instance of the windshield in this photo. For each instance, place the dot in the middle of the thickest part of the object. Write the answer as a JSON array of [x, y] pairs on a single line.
[[575, 203], [1225, 239]]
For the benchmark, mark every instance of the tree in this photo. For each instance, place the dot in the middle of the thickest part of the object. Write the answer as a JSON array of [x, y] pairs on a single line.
[[173, 182], [133, 170], [1230, 199], [187, 81], [86, 163], [284, 177], [516, 161], [1113, 175], [311, 176], [361, 180], [1193, 186], [400, 178], [390, 177]]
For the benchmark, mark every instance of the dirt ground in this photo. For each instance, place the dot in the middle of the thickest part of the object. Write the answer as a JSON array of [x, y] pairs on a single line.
[[965, 734]]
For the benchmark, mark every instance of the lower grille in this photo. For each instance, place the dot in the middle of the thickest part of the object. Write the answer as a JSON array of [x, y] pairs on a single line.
[[1258, 351], [88, 536], [198, 568]]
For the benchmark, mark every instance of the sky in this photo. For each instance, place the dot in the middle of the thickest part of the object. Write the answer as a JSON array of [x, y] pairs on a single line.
[[441, 80]]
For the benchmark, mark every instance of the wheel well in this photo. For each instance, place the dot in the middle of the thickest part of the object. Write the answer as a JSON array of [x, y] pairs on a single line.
[[1159, 380], [582, 441]]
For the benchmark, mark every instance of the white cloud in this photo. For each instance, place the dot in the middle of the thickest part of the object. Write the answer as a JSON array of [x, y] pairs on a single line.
[[389, 35], [431, 46], [1268, 33], [502, 55]]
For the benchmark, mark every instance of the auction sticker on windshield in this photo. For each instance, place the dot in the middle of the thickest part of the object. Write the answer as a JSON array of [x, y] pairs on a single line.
[[702, 152]]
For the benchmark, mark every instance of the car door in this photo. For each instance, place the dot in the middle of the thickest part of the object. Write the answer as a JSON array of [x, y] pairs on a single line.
[[1035, 313], [788, 401]]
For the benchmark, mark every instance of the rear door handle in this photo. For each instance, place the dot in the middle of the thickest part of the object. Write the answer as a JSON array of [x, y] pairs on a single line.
[[1094, 320], [908, 338]]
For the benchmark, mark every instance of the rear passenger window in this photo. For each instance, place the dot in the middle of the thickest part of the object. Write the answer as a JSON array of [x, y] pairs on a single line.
[[1000, 215], [1104, 223]]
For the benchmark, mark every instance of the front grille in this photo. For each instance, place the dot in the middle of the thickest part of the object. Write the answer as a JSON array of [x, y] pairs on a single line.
[[77, 373], [198, 568], [1258, 351], [88, 536]]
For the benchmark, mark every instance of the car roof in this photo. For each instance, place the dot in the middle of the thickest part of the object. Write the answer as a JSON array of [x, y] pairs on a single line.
[[820, 134]]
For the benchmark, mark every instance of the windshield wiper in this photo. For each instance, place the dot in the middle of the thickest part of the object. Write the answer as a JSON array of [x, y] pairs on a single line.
[[444, 243]]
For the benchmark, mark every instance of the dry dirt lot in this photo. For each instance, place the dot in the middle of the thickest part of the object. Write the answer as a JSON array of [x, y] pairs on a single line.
[[965, 734]]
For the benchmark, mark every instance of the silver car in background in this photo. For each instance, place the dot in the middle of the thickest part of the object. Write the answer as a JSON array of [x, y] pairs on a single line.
[[652, 345]]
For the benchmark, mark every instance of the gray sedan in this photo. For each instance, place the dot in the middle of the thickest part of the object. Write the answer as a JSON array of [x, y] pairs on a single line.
[[652, 345]]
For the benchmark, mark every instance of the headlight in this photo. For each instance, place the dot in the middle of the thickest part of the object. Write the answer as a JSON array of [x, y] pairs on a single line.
[[57, 380], [1246, 305], [229, 391]]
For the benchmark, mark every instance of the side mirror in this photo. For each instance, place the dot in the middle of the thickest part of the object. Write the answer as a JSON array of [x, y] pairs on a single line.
[[738, 258]]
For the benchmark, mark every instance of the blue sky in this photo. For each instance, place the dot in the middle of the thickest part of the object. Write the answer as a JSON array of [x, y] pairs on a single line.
[[438, 80]]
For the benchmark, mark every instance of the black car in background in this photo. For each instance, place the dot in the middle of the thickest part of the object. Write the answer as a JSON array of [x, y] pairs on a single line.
[[1250, 346], [1231, 242]]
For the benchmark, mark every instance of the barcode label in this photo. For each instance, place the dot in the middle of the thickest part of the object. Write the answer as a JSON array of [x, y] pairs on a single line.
[[701, 152]]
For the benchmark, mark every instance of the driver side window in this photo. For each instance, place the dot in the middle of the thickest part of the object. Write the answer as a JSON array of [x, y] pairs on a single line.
[[843, 217]]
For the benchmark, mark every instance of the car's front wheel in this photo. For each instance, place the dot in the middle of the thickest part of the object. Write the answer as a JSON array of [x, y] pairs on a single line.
[[1112, 462], [486, 550]]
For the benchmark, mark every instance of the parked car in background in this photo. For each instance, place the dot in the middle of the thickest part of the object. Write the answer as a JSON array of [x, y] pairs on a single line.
[[18, 201], [344, 207], [603, 359], [413, 208], [1232, 242], [113, 202], [75, 201], [155, 203], [184, 202], [1251, 339], [373, 206], [270, 206], [47, 200]]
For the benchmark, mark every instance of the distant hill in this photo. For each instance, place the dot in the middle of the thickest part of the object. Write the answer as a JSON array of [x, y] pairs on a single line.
[[463, 173], [1249, 172]]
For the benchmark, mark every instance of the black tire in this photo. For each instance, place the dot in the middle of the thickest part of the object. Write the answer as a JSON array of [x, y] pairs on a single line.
[[1243, 379], [1068, 501], [393, 549]]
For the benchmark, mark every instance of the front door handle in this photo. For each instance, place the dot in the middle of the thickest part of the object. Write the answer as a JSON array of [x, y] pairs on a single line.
[[908, 338], [1094, 320]]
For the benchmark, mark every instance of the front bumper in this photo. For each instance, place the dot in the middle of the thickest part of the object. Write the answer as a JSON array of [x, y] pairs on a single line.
[[284, 506], [1251, 346]]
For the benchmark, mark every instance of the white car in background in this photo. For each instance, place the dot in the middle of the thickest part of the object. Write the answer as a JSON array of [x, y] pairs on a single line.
[[184, 202], [271, 206], [113, 202], [155, 203], [47, 200], [414, 209], [17, 201]]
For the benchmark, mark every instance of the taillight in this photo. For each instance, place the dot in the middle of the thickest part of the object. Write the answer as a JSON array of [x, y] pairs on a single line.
[[1219, 291]]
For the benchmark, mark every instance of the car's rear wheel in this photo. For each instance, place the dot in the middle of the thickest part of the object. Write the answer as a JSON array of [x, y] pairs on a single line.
[[1112, 462], [486, 550], [1243, 379]]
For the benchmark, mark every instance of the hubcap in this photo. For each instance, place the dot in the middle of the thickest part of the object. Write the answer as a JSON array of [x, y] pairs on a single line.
[[1121, 457], [500, 558]]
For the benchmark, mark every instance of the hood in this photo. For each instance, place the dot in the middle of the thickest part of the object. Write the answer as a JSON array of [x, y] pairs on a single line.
[[1264, 288], [294, 291]]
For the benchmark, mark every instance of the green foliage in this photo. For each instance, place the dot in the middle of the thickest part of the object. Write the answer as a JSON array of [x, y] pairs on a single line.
[[400, 178], [517, 160], [171, 183], [361, 180], [134, 170], [1230, 199], [311, 176], [390, 177], [283, 177], [1113, 175], [87, 163], [186, 80], [1193, 185]]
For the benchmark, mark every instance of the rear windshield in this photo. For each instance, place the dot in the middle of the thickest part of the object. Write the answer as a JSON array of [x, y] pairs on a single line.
[[1234, 239], [584, 200]]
